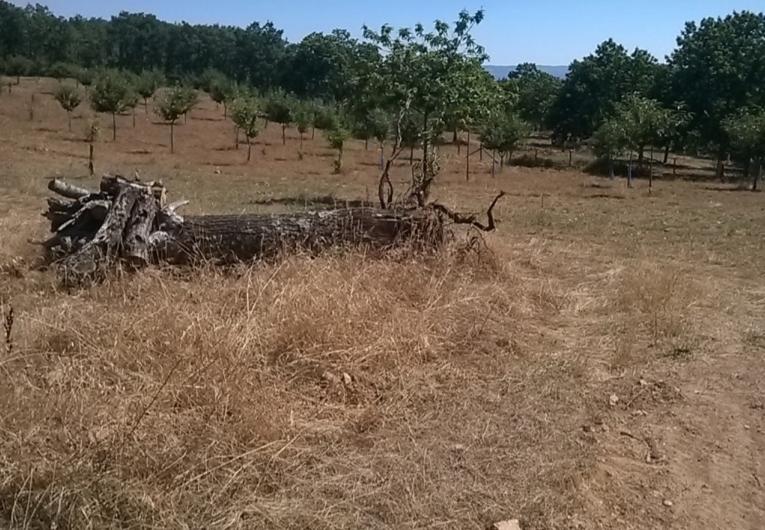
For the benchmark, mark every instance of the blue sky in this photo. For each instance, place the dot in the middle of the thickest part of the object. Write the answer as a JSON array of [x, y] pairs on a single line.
[[550, 32]]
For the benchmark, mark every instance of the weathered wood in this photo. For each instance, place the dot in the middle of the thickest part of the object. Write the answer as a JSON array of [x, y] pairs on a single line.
[[228, 238], [101, 251], [67, 190], [139, 229]]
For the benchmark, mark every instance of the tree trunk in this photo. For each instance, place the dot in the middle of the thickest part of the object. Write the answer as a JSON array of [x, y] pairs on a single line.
[[236, 137], [366, 144], [284, 134], [425, 146], [225, 110], [641, 157], [757, 175], [69, 119], [114, 126], [249, 149], [411, 154], [313, 132], [146, 105], [610, 166], [172, 137], [467, 158], [91, 167], [666, 154], [231, 238], [301, 142], [133, 117]]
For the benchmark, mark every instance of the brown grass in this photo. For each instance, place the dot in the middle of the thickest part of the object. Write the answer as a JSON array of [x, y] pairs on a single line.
[[447, 390]]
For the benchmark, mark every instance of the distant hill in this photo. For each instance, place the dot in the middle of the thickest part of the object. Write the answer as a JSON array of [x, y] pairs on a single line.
[[500, 72]]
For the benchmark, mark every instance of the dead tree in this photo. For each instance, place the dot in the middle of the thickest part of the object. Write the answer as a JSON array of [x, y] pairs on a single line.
[[131, 223]]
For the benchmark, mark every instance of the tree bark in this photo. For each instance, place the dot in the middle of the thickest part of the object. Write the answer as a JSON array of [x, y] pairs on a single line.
[[114, 126], [249, 149], [138, 230], [284, 134], [231, 238], [666, 154], [172, 137]]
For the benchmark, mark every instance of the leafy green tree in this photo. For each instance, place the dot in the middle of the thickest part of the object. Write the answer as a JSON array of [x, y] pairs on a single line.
[[717, 69], [147, 83], [221, 90], [536, 93], [172, 103], [17, 65], [502, 134], [324, 118], [303, 117], [245, 114], [85, 76], [111, 94], [328, 66], [336, 138], [609, 141], [423, 72], [746, 132], [643, 120], [69, 98], [278, 108], [595, 85], [61, 70]]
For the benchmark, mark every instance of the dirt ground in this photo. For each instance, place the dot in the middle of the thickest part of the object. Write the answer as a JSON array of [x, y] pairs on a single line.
[[598, 363]]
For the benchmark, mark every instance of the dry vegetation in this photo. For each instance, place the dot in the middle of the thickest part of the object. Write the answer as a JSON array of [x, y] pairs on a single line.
[[600, 355]]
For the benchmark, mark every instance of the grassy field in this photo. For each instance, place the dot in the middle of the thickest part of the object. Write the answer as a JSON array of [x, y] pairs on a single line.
[[597, 363]]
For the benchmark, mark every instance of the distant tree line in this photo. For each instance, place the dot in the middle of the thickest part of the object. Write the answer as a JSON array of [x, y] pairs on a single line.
[[410, 86]]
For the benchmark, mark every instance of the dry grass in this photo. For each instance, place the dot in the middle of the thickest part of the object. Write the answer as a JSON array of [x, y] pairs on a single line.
[[300, 394], [448, 390]]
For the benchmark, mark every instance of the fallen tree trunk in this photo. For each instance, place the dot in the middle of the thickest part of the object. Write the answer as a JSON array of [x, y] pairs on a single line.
[[227, 238], [129, 222]]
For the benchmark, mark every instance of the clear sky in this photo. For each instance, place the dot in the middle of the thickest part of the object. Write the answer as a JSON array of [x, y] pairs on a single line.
[[551, 32]]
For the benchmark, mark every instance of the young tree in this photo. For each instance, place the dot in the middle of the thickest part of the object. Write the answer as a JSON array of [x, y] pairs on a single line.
[[244, 114], [324, 118], [278, 108], [147, 83], [221, 90], [609, 142], [336, 138], [303, 119], [502, 134], [17, 66], [173, 103], [746, 132], [110, 94], [69, 99], [424, 73], [642, 121]]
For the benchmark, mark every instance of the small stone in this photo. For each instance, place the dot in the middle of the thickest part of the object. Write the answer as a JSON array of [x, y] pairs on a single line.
[[347, 379], [668, 503], [613, 400], [512, 524]]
